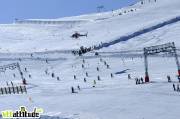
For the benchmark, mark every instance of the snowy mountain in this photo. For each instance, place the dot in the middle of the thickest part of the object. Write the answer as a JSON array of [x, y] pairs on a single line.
[[43, 48], [101, 28]]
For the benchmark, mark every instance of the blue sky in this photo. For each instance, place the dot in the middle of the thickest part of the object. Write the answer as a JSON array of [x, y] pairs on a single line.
[[29, 9]]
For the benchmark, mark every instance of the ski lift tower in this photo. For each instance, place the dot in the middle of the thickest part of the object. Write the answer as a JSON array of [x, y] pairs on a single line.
[[100, 8], [165, 48]]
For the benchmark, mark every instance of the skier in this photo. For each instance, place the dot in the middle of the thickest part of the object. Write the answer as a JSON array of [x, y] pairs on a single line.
[[105, 63], [46, 71], [129, 76], [169, 78], [107, 66], [142, 81], [139, 81], [112, 75], [72, 90], [46, 61], [25, 69], [74, 76], [178, 78], [94, 83], [14, 75], [178, 89], [7, 83], [174, 87], [85, 80], [97, 68], [78, 87], [99, 78], [21, 73], [101, 60], [52, 75], [29, 75], [87, 74], [24, 81], [82, 66], [136, 79], [58, 78], [12, 83], [96, 53], [83, 61]]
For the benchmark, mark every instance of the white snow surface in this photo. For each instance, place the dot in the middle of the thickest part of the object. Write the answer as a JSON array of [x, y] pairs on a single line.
[[101, 28], [111, 98]]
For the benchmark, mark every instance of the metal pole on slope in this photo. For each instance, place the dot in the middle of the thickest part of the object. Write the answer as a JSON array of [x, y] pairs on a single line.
[[146, 66], [176, 58], [19, 69]]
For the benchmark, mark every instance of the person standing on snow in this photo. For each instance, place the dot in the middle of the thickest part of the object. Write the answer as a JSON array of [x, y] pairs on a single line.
[[178, 89], [174, 87], [169, 78]]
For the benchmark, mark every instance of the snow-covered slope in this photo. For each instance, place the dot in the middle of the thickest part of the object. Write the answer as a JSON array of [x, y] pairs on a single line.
[[43, 47], [101, 28]]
